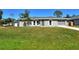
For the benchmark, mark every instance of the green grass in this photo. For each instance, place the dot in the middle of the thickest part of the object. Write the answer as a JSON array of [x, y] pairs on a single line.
[[77, 26], [36, 38]]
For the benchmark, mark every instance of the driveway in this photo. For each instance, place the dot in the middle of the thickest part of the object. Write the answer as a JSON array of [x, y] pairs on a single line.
[[68, 27]]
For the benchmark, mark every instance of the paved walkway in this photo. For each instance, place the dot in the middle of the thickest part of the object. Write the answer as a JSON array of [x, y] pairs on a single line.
[[73, 28]]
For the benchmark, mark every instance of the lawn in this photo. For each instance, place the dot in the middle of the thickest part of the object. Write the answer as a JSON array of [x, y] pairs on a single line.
[[76, 26], [38, 38]]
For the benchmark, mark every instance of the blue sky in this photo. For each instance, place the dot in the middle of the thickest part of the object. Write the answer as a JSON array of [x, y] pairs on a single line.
[[37, 12]]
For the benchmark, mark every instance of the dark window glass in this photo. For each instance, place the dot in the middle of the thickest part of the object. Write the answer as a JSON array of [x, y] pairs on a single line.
[[50, 22], [38, 22], [34, 23]]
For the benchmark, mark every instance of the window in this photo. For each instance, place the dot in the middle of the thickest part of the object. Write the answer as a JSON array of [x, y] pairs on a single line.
[[50, 22], [34, 23], [38, 22]]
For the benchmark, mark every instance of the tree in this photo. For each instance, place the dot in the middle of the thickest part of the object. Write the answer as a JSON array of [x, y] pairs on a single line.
[[1, 13], [68, 16], [25, 17], [25, 14], [58, 13], [1, 22], [9, 21], [74, 15]]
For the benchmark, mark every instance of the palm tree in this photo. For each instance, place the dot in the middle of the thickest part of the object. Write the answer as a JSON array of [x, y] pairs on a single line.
[[1, 13], [58, 13]]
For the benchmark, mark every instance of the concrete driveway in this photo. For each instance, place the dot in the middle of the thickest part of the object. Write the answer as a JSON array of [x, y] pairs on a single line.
[[68, 27]]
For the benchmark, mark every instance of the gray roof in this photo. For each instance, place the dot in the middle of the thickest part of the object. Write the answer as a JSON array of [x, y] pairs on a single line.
[[49, 18]]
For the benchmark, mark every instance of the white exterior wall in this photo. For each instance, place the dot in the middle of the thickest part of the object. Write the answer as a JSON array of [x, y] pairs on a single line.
[[66, 23], [40, 23], [46, 23], [54, 23], [61, 23], [21, 24], [32, 23], [16, 24], [35, 23]]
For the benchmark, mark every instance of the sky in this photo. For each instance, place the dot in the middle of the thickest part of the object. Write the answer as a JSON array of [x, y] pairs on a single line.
[[37, 12]]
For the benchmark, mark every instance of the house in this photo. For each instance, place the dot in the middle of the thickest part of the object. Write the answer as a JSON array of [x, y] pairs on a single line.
[[47, 22]]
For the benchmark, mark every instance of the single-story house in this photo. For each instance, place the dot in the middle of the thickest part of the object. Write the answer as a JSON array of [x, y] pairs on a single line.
[[47, 22]]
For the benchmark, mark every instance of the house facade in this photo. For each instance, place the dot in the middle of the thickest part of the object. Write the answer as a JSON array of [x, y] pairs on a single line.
[[47, 22]]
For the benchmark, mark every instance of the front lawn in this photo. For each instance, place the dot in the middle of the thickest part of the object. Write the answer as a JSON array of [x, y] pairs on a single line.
[[38, 38]]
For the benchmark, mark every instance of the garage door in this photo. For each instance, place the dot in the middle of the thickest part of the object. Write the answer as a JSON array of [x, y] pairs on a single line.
[[61, 22]]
